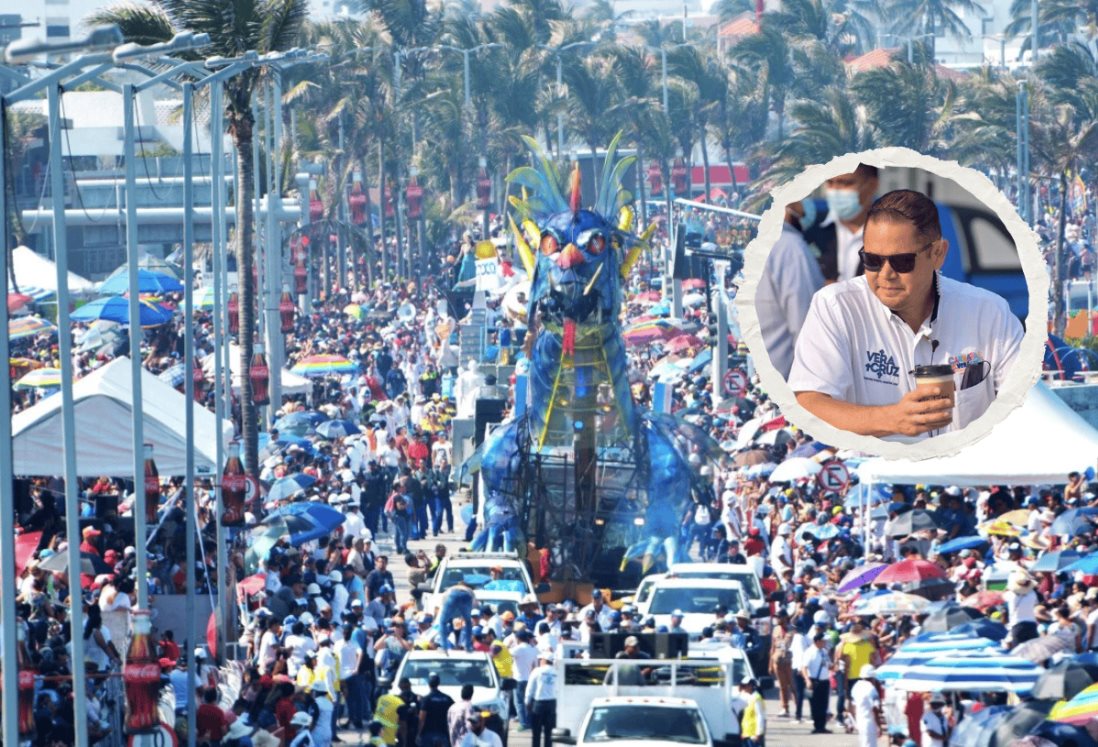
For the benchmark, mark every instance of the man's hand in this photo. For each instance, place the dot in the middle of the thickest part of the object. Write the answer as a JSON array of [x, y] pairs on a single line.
[[924, 408]]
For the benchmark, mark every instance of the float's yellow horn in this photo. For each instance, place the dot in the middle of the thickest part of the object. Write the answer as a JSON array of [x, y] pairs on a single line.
[[625, 218], [525, 254]]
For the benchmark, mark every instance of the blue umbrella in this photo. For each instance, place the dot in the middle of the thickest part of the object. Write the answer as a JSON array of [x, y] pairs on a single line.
[[916, 652], [337, 429], [973, 724], [306, 521], [860, 495], [701, 360], [980, 670], [1074, 522], [147, 282], [117, 309], [1087, 565], [982, 628], [268, 449], [1055, 561], [299, 423], [285, 487], [962, 543], [1058, 733]]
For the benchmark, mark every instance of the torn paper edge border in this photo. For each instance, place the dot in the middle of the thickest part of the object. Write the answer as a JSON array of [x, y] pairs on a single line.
[[1023, 375]]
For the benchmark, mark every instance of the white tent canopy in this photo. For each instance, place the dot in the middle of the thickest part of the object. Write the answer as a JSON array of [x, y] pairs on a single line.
[[1038, 443], [104, 437], [291, 382], [34, 270]]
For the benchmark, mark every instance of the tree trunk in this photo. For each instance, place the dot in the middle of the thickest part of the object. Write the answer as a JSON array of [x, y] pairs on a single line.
[[371, 250], [241, 127], [705, 164], [382, 207], [640, 188], [731, 172], [595, 173], [1059, 320]]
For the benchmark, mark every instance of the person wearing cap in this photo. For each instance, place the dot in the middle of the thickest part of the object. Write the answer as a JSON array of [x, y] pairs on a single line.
[[676, 622], [1021, 601], [524, 657], [753, 719], [541, 700], [600, 608], [239, 734], [865, 706], [433, 708], [817, 673], [302, 724], [88, 545], [781, 551], [935, 724], [478, 734], [856, 649]]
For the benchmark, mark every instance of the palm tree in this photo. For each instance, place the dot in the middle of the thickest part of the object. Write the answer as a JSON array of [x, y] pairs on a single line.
[[234, 28], [769, 54], [590, 94], [710, 83], [932, 17], [983, 123], [1056, 20], [905, 104]]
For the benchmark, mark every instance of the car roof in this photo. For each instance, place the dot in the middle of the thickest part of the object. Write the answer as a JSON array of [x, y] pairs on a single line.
[[699, 581], [648, 700], [711, 568], [488, 560], [438, 655]]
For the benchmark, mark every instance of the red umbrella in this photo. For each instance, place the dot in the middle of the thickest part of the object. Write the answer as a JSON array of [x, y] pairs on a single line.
[[910, 571], [984, 600], [18, 300], [693, 283], [683, 342]]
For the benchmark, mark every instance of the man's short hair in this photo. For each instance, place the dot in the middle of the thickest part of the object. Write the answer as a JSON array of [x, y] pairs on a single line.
[[866, 171], [908, 206]]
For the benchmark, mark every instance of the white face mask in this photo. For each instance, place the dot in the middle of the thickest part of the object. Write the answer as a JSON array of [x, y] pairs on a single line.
[[844, 203]]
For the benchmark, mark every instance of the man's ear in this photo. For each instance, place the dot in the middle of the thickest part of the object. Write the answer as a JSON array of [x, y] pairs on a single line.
[[939, 252]]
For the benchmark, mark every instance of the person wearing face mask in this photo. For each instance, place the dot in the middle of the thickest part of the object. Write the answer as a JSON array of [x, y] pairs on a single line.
[[838, 237], [855, 358], [791, 277]]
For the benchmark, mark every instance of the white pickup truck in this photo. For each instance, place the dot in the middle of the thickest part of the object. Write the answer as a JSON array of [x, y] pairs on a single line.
[[475, 569], [642, 721], [711, 683]]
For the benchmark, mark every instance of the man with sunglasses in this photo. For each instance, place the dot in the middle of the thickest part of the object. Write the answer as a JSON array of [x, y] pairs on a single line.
[[863, 337]]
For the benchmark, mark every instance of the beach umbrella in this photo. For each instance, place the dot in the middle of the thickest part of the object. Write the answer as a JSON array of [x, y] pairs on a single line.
[[948, 617], [1067, 678], [147, 282], [117, 309], [1080, 709], [204, 298], [28, 326], [693, 300], [324, 365], [1063, 735], [700, 361], [285, 441], [1018, 722], [1087, 565], [1018, 517], [18, 300], [1074, 522], [646, 333], [300, 423], [306, 521], [984, 600], [859, 496], [40, 378], [971, 729], [333, 429], [692, 283], [962, 543], [934, 589], [913, 521], [761, 470], [893, 603], [751, 457], [922, 650], [910, 571], [100, 335], [861, 576], [59, 563], [983, 628], [1044, 647], [286, 487], [682, 343], [1000, 528], [795, 468], [811, 449], [1055, 561], [974, 672]]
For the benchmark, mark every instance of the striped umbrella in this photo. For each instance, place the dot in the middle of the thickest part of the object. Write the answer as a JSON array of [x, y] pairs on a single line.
[[894, 603], [917, 652], [28, 326], [976, 671], [1080, 709], [324, 365], [204, 298], [40, 378]]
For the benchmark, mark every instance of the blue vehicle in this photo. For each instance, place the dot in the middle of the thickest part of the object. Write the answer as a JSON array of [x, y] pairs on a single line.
[[982, 253]]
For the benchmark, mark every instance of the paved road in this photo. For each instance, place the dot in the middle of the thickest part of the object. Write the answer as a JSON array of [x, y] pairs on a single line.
[[781, 732]]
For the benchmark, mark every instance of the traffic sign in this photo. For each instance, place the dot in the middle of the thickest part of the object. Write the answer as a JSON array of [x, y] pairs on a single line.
[[735, 383], [834, 476]]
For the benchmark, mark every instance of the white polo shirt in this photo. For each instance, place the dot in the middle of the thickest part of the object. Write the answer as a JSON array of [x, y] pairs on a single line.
[[855, 349]]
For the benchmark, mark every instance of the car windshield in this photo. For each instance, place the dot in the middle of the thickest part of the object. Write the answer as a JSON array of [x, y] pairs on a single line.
[[749, 580], [452, 672], [480, 577], [638, 722], [694, 600]]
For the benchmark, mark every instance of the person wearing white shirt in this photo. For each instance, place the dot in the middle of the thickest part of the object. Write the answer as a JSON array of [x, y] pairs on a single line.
[[340, 597], [349, 655], [838, 237], [353, 524], [936, 723], [862, 339], [781, 552], [524, 658], [541, 700], [791, 277], [866, 704]]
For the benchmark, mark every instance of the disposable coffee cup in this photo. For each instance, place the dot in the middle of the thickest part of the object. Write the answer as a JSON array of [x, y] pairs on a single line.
[[939, 375]]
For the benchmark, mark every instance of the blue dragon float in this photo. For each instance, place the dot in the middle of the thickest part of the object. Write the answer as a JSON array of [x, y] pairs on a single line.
[[581, 409]]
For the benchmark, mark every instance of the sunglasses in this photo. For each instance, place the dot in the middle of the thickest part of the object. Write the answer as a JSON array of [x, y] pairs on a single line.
[[901, 263]]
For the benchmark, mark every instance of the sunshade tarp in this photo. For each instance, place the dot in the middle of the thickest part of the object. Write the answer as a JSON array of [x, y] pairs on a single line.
[[32, 269], [1009, 454], [104, 438]]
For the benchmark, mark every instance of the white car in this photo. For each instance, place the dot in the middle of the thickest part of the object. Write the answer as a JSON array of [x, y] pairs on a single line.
[[454, 669], [696, 598], [631, 721], [745, 574], [475, 570]]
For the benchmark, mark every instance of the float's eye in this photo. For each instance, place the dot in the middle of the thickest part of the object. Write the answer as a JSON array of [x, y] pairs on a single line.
[[596, 244], [549, 244]]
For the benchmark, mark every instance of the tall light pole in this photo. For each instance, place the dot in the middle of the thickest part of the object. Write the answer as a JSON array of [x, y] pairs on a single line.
[[558, 51], [663, 50], [465, 64], [402, 260]]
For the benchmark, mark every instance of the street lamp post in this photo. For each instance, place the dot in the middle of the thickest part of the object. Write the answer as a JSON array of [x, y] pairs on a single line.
[[465, 63]]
